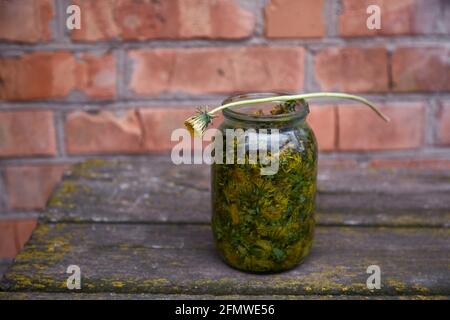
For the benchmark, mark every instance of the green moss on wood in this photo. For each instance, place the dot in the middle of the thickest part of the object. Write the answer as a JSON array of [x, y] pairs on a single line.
[[89, 169], [44, 252], [64, 196]]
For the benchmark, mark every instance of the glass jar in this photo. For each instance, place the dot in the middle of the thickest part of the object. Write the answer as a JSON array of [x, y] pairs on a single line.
[[265, 222]]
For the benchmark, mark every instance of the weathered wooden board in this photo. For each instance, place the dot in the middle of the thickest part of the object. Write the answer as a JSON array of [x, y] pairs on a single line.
[[152, 189], [181, 259], [149, 296], [4, 264]]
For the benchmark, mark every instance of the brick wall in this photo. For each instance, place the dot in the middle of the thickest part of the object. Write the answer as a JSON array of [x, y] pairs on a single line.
[[136, 69]]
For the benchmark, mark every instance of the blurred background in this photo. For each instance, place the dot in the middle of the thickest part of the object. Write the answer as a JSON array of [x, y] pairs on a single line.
[[135, 69]]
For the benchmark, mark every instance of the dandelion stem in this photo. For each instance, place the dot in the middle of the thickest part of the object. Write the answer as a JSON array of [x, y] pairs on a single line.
[[304, 96], [200, 121]]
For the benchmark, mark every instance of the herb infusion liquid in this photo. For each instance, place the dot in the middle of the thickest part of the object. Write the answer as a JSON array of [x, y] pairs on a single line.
[[265, 223]]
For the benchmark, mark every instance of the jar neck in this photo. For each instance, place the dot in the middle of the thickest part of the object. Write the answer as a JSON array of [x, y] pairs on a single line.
[[250, 116]]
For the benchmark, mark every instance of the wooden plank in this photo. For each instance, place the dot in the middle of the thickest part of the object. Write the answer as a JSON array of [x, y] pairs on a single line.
[[148, 296], [181, 259], [152, 189], [4, 265]]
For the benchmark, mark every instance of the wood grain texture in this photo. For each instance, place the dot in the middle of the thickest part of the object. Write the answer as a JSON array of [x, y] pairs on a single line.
[[4, 265], [181, 259], [152, 189], [149, 296], [139, 229]]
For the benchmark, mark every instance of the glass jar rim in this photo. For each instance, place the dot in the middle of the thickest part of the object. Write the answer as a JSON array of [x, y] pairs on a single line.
[[235, 114]]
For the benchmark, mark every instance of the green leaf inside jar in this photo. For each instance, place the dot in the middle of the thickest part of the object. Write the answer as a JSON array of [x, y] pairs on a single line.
[[264, 223]]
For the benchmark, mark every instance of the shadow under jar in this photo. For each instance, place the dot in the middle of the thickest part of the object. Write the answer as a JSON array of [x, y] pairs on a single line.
[[265, 222]]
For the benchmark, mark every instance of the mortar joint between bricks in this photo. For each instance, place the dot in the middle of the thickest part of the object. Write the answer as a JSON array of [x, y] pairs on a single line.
[[389, 70], [179, 100], [3, 200], [60, 30], [431, 123], [121, 69], [310, 83], [59, 123], [7, 48], [331, 15], [256, 7]]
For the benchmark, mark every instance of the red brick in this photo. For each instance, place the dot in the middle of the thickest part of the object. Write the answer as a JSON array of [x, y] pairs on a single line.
[[352, 69], [28, 187], [8, 241], [443, 127], [43, 75], [362, 130], [24, 230], [175, 19], [295, 19], [13, 235], [27, 133], [97, 75], [410, 163], [214, 19], [421, 69], [159, 123], [37, 75], [26, 20], [222, 70], [399, 17], [97, 20], [336, 163], [322, 120], [139, 130], [103, 132]]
